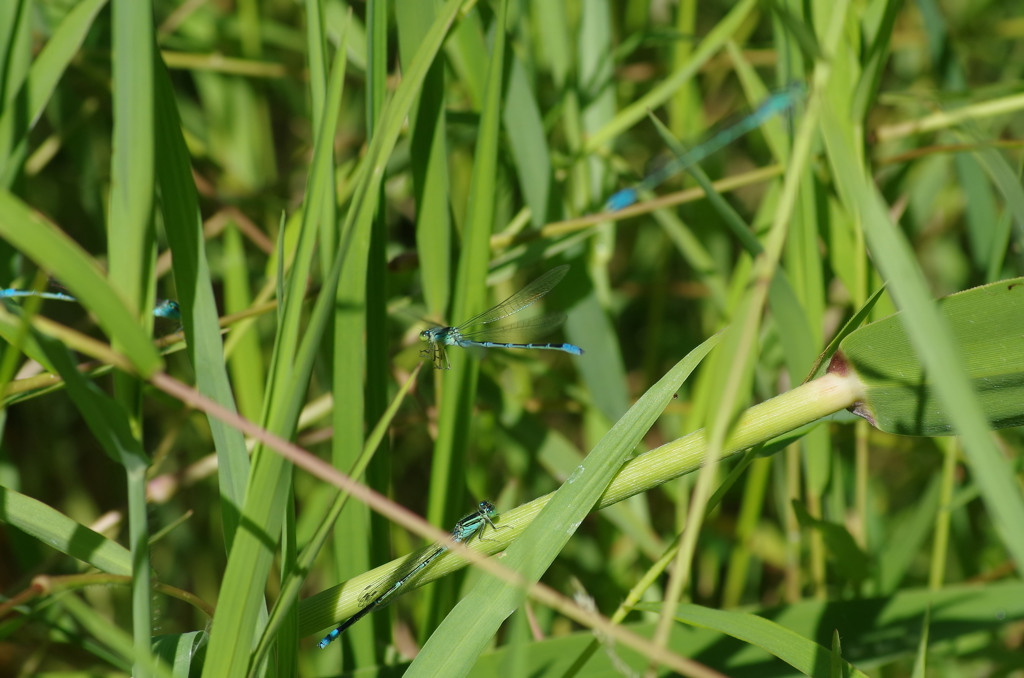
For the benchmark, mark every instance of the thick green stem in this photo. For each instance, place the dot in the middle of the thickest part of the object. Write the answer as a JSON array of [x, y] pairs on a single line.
[[761, 423]]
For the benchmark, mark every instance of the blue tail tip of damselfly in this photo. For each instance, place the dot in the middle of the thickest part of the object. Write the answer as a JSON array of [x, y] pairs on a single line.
[[572, 348], [326, 640], [620, 200]]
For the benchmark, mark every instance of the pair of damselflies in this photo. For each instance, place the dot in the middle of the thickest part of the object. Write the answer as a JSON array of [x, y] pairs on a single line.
[[477, 331]]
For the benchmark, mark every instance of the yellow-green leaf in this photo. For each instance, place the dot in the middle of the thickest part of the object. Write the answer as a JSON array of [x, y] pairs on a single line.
[[987, 324]]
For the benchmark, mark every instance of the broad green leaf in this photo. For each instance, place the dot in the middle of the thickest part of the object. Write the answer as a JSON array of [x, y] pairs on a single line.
[[987, 325]]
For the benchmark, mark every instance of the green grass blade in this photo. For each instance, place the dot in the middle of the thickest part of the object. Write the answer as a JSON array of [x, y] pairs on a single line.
[[180, 205], [132, 170], [904, 543], [14, 330], [290, 590], [112, 636], [1008, 182], [429, 158], [876, 630], [360, 537], [240, 610], [234, 625], [804, 655], [62, 533], [527, 141], [105, 417], [179, 651], [131, 249], [603, 370], [447, 493], [246, 361]]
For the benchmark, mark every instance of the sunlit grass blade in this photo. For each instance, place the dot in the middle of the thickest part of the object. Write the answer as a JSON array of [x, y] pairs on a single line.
[[62, 533]]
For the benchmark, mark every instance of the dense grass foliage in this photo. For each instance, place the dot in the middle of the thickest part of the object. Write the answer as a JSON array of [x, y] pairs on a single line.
[[315, 183]]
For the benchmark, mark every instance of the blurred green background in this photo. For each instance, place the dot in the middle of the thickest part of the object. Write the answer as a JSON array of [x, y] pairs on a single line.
[[436, 183]]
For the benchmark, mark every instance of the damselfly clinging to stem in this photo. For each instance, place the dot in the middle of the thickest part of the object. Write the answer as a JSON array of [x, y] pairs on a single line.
[[464, 530]]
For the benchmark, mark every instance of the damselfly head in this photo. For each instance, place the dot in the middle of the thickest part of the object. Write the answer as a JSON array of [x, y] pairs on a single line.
[[168, 309]]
